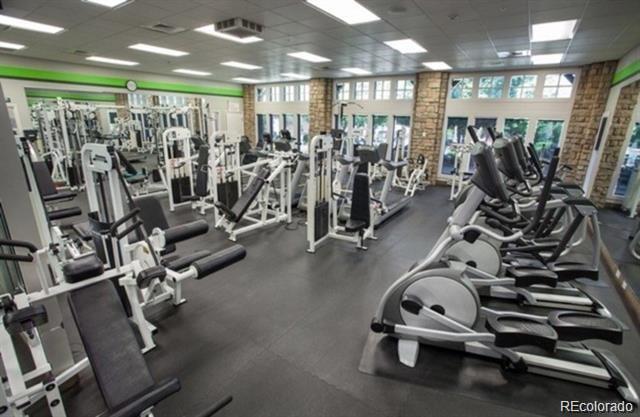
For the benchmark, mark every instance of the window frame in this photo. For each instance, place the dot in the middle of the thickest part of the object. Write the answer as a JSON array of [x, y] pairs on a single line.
[[407, 93], [462, 97], [346, 90], [382, 93], [522, 88], [557, 87], [493, 87], [362, 91]]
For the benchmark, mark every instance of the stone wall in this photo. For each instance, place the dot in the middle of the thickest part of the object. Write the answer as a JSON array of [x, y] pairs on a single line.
[[627, 101], [249, 112], [589, 105], [122, 99], [320, 105], [428, 118]]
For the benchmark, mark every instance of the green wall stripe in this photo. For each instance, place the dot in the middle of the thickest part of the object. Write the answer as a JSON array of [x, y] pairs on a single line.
[[626, 72], [23, 73], [70, 95]]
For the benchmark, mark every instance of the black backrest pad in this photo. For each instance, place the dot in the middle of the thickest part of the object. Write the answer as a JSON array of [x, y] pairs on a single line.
[[152, 216], [110, 344], [255, 185], [202, 176], [360, 202], [43, 178]]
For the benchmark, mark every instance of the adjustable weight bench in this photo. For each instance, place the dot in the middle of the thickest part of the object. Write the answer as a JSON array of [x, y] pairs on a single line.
[[121, 372]]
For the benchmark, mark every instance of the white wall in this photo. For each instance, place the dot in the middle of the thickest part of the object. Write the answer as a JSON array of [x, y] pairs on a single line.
[[14, 89]]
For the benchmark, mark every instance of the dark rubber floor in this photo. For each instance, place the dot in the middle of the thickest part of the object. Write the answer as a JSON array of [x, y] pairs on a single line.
[[617, 229], [284, 331]]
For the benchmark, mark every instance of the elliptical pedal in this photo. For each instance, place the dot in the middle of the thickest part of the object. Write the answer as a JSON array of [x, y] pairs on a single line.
[[573, 326], [515, 330]]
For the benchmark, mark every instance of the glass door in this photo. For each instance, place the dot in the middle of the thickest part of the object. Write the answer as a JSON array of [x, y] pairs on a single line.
[[455, 133], [401, 132], [630, 162], [380, 133], [303, 132], [360, 126]]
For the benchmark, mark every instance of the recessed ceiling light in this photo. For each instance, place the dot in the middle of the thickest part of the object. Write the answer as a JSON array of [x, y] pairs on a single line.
[[546, 59], [111, 61], [406, 46], [157, 50], [14, 22], [107, 3], [246, 80], [356, 71], [294, 75], [553, 31], [211, 30], [349, 11], [437, 65], [307, 56], [191, 72], [514, 54], [11, 45], [240, 65]]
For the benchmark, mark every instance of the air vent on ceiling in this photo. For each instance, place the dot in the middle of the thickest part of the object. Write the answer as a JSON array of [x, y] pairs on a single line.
[[514, 54], [164, 28], [239, 27]]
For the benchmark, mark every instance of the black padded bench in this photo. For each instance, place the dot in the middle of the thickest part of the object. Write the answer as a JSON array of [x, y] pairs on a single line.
[[235, 213]]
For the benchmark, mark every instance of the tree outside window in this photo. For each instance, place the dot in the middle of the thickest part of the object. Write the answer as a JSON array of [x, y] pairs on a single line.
[[630, 161], [360, 125], [490, 87], [515, 127], [522, 86], [547, 137], [461, 88]]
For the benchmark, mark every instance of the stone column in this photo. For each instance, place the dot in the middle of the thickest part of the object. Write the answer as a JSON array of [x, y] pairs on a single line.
[[589, 105], [428, 118], [249, 112], [122, 100], [627, 101], [320, 105]]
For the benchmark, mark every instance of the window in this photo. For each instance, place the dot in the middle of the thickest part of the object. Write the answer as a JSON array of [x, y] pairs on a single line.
[[522, 86], [547, 138], [515, 127], [404, 90], [303, 132], [275, 94], [304, 92], [360, 124], [401, 136], [289, 93], [343, 122], [456, 129], [289, 123], [362, 90], [342, 91], [262, 94], [630, 162], [380, 130], [263, 127], [382, 90], [490, 87], [558, 85], [275, 125], [461, 88], [481, 125]]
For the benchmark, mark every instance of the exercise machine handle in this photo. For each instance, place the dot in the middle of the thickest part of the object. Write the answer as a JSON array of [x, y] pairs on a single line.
[[114, 227]]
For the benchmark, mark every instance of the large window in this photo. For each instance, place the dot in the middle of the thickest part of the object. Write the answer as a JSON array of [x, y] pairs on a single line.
[[342, 91], [362, 90], [461, 88], [275, 94], [515, 127], [275, 125], [401, 136], [404, 90], [303, 132], [482, 124], [456, 129], [490, 87], [382, 90], [290, 123], [304, 92], [262, 94], [380, 130], [630, 162], [289, 93], [558, 85], [522, 86], [360, 125], [263, 126], [342, 124], [547, 138]]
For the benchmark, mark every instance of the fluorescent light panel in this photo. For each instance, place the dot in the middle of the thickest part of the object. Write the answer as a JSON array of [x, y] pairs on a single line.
[[11, 45], [514, 54], [553, 31], [211, 30], [245, 80], [14, 22], [437, 65], [546, 59], [349, 11], [111, 61], [241, 65], [191, 72], [356, 71], [296, 76], [157, 50], [107, 3], [308, 56], [406, 46]]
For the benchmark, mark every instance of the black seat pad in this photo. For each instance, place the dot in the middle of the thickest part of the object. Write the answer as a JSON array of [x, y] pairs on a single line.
[[393, 165], [83, 268], [183, 262], [355, 225], [64, 213], [243, 203]]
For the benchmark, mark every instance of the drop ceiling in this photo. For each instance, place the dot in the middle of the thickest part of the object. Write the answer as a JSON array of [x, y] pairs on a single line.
[[466, 34]]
